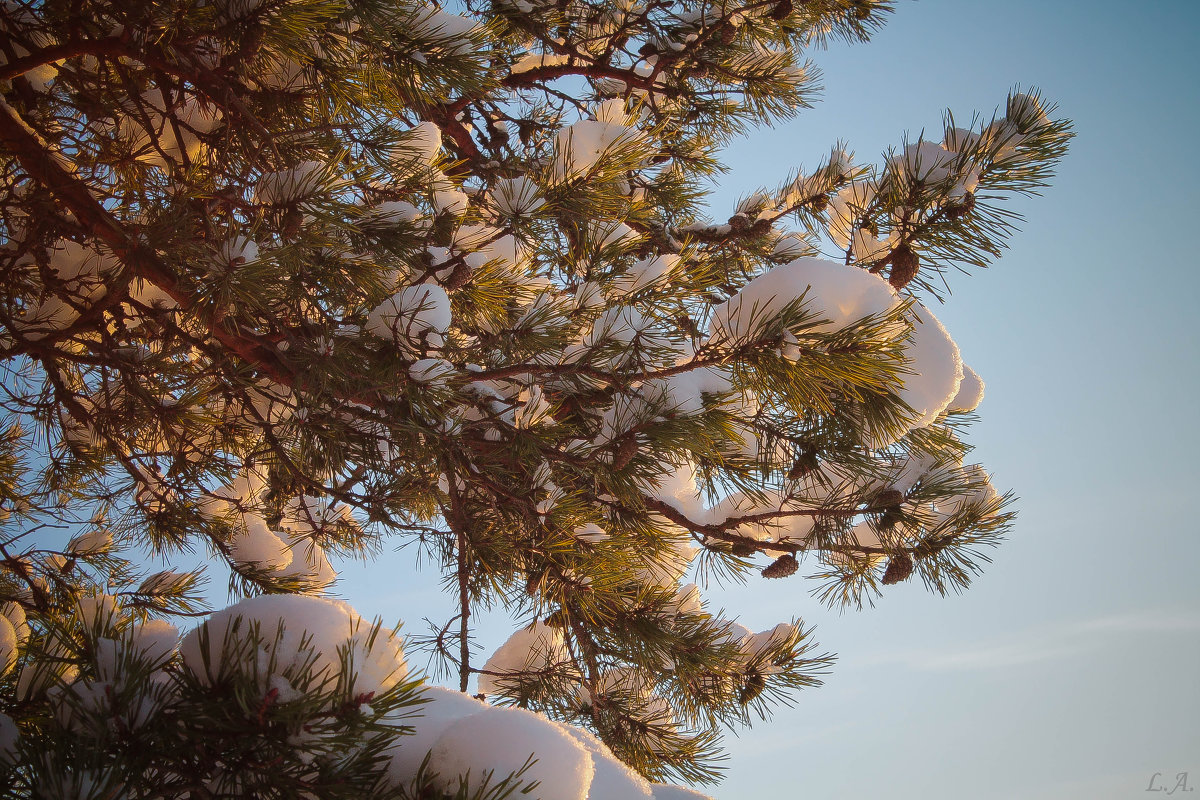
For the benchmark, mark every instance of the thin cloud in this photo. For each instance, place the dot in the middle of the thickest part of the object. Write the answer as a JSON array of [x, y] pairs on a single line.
[[1144, 622], [1036, 646]]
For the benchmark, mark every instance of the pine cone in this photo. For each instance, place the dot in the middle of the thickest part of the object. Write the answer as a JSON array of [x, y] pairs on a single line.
[[898, 569], [961, 208], [292, 222], [905, 265], [781, 10], [743, 549], [806, 462], [889, 497], [755, 684], [625, 452], [781, 567], [461, 274], [889, 518], [739, 223], [931, 546], [889, 500]]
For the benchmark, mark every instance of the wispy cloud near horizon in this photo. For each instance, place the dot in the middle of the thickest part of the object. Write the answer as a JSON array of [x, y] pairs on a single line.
[[1061, 640]]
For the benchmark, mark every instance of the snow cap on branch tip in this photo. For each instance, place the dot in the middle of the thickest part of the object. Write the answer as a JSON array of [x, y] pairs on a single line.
[[646, 273], [90, 543], [256, 546], [612, 233], [516, 197], [792, 245], [936, 367], [154, 641], [978, 492], [501, 741], [613, 779], [296, 638], [836, 293], [448, 198], [243, 491], [309, 565], [687, 600], [15, 615], [842, 295], [1026, 112], [535, 647], [98, 611], [924, 161], [442, 707], [432, 371], [414, 315], [288, 186], [421, 145], [590, 532], [8, 646], [532, 61], [846, 208], [71, 261], [391, 213], [453, 33], [970, 392], [581, 146]]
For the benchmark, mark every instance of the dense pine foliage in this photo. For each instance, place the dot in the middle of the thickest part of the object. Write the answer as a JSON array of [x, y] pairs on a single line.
[[286, 282]]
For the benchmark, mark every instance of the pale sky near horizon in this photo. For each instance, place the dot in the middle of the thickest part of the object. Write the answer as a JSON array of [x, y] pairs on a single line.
[[1069, 669]]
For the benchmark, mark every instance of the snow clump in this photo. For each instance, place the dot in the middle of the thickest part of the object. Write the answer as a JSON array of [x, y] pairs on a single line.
[[257, 546], [288, 186], [516, 197], [468, 742], [499, 741], [451, 31], [936, 365], [833, 292], [83, 272], [8, 646], [294, 643], [837, 296], [413, 314], [579, 147], [970, 393], [421, 144], [533, 648], [612, 779]]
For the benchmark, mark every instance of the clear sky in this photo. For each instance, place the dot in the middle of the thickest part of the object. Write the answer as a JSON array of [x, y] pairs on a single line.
[[1069, 670]]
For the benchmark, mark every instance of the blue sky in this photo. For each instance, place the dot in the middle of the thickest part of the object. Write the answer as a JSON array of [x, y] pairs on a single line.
[[1068, 669]]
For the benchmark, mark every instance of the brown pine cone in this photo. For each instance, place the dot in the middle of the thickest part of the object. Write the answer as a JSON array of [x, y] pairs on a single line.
[[781, 10], [625, 452], [898, 569], [781, 567], [905, 265], [755, 684]]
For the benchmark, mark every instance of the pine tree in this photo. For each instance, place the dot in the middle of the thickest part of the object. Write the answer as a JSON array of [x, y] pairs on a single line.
[[286, 280]]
